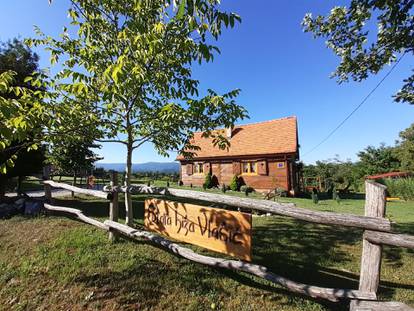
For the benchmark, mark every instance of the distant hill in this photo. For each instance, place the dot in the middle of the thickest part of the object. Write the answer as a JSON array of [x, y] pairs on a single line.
[[162, 167]]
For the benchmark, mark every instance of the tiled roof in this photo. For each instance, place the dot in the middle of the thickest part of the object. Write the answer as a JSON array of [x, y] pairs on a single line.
[[270, 137]]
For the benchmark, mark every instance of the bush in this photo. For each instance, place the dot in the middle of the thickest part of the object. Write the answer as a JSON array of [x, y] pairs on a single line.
[[315, 198], [246, 189], [180, 183], [223, 188], [338, 199], [401, 187], [235, 184], [280, 192], [208, 182], [334, 193]]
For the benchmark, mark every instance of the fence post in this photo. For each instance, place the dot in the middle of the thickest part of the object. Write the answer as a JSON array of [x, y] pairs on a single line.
[[48, 188], [113, 205], [371, 253]]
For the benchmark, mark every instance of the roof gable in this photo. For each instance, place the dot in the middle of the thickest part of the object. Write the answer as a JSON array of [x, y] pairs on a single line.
[[264, 138]]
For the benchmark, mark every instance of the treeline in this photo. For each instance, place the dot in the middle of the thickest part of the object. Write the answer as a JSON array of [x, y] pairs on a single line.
[[348, 175]]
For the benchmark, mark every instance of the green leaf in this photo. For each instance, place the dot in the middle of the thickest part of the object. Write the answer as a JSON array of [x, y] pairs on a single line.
[[181, 9], [27, 79]]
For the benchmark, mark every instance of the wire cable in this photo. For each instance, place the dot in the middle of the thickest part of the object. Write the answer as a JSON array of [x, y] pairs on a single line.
[[356, 108]]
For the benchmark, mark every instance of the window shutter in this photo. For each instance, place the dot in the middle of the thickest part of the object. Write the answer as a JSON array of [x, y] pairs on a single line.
[[206, 168], [236, 168], [262, 167], [189, 169]]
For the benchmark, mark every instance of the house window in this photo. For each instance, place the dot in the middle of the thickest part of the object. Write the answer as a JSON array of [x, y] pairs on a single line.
[[198, 168], [249, 168]]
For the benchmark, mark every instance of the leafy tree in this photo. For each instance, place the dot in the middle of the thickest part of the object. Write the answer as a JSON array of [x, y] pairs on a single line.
[[208, 181], [404, 150], [378, 160], [17, 57], [235, 183], [335, 173], [348, 33], [19, 122], [21, 113], [73, 156], [130, 68]]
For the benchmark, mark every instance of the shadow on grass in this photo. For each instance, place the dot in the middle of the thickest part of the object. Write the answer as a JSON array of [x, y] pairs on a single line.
[[128, 286], [301, 251], [100, 209]]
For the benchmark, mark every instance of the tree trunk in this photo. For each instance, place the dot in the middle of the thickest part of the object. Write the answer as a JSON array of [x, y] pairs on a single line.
[[19, 184], [74, 183], [3, 181], [128, 196]]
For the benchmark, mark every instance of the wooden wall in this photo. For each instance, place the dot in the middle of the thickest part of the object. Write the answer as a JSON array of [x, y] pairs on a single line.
[[269, 176]]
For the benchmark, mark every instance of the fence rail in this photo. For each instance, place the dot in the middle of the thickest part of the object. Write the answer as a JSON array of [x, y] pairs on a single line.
[[95, 193], [377, 232], [284, 209]]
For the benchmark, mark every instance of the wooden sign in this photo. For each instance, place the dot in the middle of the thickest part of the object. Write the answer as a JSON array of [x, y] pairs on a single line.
[[216, 229]]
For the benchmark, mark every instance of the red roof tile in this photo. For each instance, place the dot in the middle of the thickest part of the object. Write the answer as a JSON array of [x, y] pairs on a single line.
[[264, 138], [390, 175]]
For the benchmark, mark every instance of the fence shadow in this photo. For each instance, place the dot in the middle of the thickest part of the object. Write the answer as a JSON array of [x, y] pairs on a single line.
[[301, 251]]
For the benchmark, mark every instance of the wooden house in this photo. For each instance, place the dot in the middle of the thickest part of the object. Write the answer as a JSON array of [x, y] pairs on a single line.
[[264, 156]]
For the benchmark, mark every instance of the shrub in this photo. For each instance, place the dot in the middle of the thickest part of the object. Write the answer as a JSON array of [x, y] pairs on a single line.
[[315, 198], [168, 184], [280, 192], [235, 184], [338, 199], [223, 188], [208, 182], [180, 183], [149, 183], [246, 189], [334, 194], [401, 187]]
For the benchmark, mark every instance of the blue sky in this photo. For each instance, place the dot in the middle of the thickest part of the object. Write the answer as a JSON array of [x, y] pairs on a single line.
[[281, 71]]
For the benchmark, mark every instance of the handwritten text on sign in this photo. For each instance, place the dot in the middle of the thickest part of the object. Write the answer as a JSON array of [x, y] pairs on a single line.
[[216, 229]]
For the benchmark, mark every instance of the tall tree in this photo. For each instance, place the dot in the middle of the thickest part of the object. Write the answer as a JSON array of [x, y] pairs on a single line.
[[377, 160], [16, 56], [19, 112], [348, 31], [73, 156], [405, 149], [130, 63]]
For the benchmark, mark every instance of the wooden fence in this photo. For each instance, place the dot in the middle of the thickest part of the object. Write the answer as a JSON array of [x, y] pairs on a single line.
[[377, 232]]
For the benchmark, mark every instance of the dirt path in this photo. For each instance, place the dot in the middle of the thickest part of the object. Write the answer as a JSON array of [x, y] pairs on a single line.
[[41, 193]]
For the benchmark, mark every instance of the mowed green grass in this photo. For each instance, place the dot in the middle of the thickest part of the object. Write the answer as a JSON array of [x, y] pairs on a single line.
[[55, 263]]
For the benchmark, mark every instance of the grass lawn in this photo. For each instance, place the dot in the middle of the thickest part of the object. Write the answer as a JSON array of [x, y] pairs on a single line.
[[55, 263]]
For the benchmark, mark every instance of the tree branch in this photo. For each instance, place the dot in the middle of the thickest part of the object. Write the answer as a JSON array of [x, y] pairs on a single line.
[[111, 141]]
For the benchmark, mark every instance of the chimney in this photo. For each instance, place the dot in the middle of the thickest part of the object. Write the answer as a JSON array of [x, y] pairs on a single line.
[[229, 131]]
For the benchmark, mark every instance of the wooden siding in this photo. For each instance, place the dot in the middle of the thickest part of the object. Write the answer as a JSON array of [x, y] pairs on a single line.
[[269, 174]]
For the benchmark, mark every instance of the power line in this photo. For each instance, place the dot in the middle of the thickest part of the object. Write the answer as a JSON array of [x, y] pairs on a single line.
[[356, 108]]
